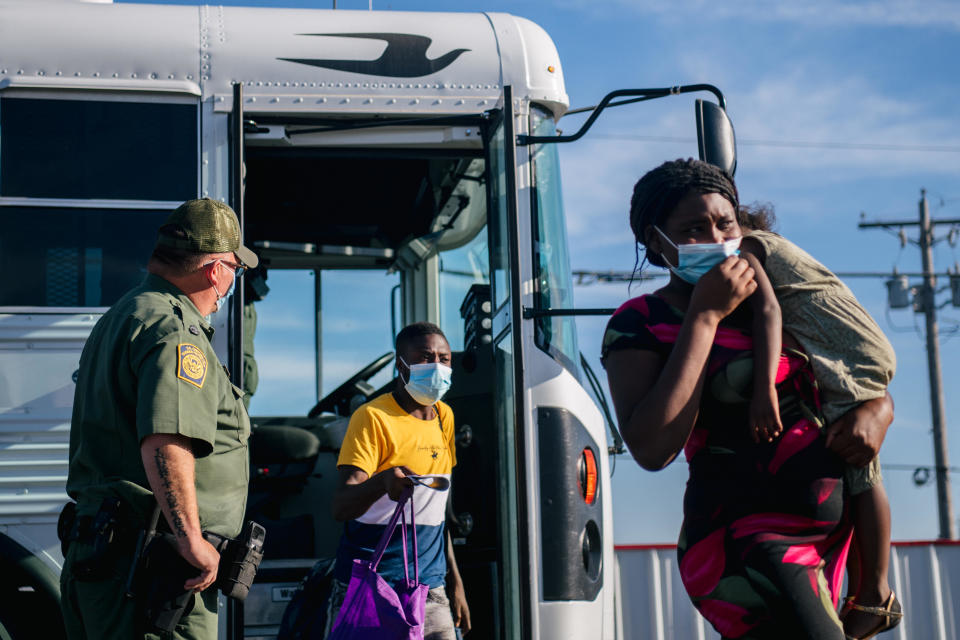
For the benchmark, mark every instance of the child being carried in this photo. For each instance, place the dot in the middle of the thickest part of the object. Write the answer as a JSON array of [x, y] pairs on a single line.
[[853, 362]]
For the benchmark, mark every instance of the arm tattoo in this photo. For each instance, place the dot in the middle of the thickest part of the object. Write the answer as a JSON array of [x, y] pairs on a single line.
[[176, 519]]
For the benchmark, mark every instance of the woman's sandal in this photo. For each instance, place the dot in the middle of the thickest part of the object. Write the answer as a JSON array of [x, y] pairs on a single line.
[[890, 613], [845, 608]]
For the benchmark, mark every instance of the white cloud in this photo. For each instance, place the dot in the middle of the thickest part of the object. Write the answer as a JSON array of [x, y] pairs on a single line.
[[600, 171], [598, 179], [282, 321], [287, 366], [373, 321], [293, 366], [837, 112]]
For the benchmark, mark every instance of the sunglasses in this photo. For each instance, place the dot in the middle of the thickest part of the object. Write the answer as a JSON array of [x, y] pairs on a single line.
[[238, 269]]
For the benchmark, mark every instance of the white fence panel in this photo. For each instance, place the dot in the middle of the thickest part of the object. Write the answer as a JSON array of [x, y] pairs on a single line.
[[654, 606], [653, 603]]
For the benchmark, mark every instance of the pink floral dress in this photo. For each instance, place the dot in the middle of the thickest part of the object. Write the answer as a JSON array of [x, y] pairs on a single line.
[[764, 536]]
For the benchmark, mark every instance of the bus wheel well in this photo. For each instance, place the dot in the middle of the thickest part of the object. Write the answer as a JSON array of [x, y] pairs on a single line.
[[28, 588]]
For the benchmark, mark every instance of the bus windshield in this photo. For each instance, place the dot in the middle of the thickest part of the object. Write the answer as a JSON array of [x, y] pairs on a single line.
[[553, 281]]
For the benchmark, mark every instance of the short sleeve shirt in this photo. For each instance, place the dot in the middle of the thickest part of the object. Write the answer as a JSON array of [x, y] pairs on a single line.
[[852, 359], [382, 435], [148, 367], [794, 273], [646, 323]]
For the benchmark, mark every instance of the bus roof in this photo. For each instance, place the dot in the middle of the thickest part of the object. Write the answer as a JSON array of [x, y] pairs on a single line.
[[289, 61]]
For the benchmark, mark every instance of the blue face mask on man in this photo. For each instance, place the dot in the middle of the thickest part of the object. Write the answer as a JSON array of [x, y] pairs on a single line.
[[426, 383], [221, 300], [694, 260]]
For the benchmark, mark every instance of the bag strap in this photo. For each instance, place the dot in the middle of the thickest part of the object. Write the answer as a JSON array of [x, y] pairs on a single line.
[[391, 527], [403, 535], [416, 554]]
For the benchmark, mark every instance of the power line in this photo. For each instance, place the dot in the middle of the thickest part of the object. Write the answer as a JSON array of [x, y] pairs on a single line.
[[585, 277], [797, 144], [922, 474], [912, 467]]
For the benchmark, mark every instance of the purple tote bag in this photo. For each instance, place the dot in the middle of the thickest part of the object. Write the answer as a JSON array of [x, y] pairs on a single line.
[[372, 609]]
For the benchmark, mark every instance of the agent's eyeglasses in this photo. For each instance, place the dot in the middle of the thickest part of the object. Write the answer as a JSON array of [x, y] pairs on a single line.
[[238, 269]]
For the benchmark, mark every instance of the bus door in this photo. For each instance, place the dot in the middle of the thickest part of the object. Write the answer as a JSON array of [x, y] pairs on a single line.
[[507, 368], [232, 618], [237, 170]]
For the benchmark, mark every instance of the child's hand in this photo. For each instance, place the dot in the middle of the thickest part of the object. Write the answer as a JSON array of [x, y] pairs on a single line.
[[765, 416]]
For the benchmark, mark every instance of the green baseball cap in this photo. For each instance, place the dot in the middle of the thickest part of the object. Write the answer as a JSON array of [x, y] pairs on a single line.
[[205, 226]]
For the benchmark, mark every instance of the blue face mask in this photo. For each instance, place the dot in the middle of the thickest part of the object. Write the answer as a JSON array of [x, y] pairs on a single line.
[[427, 383], [696, 259], [221, 300]]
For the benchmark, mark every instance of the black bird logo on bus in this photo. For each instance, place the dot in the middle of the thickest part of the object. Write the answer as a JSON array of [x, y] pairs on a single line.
[[404, 57]]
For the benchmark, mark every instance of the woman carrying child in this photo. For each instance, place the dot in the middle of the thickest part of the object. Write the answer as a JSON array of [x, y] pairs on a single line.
[[764, 534]]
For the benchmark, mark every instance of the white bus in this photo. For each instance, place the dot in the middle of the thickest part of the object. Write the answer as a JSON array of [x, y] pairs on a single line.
[[395, 155]]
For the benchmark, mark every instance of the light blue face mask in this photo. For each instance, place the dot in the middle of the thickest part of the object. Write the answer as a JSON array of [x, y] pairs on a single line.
[[427, 383], [696, 259], [221, 300]]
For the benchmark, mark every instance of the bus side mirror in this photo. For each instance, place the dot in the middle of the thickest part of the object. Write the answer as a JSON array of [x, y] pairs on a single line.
[[715, 139]]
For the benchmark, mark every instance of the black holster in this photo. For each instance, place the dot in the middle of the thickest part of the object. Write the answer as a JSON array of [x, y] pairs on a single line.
[[65, 524], [162, 571], [158, 571], [239, 560], [102, 532]]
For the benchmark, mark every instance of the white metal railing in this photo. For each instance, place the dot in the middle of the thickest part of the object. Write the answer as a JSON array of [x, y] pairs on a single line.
[[653, 605]]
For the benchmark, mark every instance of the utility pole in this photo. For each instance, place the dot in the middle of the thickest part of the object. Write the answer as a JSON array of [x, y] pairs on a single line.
[[927, 294]]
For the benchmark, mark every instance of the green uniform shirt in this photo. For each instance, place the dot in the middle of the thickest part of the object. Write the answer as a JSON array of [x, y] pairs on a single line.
[[148, 368]]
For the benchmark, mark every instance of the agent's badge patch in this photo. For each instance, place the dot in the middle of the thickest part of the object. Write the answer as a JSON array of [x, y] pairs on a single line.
[[191, 364]]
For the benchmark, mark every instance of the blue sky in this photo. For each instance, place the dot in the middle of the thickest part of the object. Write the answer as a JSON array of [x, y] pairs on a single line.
[[869, 87], [859, 73]]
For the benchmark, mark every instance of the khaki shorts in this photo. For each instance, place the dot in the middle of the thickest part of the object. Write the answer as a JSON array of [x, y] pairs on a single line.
[[860, 479]]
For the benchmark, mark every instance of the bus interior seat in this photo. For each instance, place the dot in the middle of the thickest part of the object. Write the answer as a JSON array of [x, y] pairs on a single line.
[[282, 455]]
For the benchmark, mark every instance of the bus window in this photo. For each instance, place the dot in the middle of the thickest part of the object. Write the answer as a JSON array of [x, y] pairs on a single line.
[[98, 149], [65, 257], [556, 335], [355, 324], [285, 345], [498, 231], [459, 269]]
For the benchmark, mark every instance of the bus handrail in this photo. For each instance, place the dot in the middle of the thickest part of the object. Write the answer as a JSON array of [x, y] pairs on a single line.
[[639, 95]]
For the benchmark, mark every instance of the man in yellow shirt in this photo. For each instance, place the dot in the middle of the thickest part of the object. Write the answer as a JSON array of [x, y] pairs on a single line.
[[407, 431]]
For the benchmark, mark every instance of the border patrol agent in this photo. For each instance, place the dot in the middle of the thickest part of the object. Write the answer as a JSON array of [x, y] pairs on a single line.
[[156, 420]]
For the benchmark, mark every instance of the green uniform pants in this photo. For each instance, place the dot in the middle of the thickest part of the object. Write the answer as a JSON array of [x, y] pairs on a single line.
[[100, 610]]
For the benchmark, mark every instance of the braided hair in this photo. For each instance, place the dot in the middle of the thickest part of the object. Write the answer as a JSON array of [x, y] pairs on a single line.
[[657, 193]]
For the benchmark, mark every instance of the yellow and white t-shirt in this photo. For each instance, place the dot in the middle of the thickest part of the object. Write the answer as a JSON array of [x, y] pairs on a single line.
[[382, 435]]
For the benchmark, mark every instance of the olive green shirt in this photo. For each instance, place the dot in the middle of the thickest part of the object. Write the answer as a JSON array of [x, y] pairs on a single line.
[[148, 368]]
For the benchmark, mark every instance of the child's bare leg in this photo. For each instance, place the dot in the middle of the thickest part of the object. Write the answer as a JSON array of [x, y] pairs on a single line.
[[871, 525], [853, 567]]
